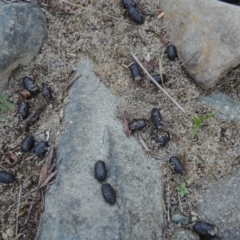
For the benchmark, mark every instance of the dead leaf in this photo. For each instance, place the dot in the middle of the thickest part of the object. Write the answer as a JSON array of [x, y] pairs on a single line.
[[12, 159], [49, 178], [24, 95]]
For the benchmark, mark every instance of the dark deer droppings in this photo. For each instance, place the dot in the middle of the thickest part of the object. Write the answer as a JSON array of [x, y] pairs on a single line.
[[6, 177], [204, 228], [46, 91], [163, 139], [23, 109], [108, 193], [100, 171], [41, 148], [27, 144], [128, 3], [178, 166], [136, 72], [158, 79], [137, 124], [156, 117], [28, 85], [135, 15], [172, 52]]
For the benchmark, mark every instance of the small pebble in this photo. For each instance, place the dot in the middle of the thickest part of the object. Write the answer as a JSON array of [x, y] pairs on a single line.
[[10, 233], [178, 218]]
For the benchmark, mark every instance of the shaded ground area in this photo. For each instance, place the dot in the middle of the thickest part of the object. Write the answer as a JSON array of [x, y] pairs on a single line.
[[99, 31]]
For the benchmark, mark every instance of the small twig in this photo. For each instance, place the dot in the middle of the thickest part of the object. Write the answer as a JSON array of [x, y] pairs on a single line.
[[125, 124], [180, 203], [18, 204], [144, 145], [30, 208], [160, 15], [156, 83], [70, 83]]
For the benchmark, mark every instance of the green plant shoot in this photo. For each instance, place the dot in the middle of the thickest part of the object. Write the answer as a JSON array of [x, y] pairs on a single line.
[[182, 190], [5, 104], [198, 121]]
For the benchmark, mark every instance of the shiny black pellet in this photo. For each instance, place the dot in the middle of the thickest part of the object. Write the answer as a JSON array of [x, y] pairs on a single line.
[[137, 124], [135, 15], [108, 193], [27, 144], [29, 85], [136, 72], [163, 139], [6, 177], [41, 148], [158, 79], [156, 117], [204, 228], [231, 1], [100, 171], [46, 91], [23, 109], [172, 52], [128, 3], [178, 166]]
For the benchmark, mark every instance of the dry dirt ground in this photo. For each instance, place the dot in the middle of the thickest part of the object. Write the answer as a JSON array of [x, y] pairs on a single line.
[[100, 31]]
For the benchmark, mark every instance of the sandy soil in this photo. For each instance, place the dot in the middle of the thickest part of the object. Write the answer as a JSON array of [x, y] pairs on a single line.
[[101, 31]]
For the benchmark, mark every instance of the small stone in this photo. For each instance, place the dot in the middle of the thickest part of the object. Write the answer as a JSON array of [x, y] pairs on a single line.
[[10, 233], [178, 218], [4, 236], [147, 57]]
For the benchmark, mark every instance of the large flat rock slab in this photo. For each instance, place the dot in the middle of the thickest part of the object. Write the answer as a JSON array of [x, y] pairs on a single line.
[[220, 204], [206, 34], [75, 208], [23, 31]]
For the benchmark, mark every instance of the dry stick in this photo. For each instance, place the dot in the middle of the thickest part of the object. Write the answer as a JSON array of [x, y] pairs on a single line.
[[30, 208], [69, 83], [180, 203], [19, 197], [156, 83]]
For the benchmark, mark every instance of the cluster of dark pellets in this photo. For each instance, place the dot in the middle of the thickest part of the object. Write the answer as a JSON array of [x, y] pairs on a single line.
[[100, 172], [23, 112], [133, 12]]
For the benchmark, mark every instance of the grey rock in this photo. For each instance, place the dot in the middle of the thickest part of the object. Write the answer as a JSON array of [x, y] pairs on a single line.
[[23, 31], [75, 207], [206, 34], [184, 234], [179, 218], [228, 109], [220, 203]]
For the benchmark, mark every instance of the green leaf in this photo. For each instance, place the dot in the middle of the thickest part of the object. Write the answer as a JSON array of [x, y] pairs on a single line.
[[9, 105]]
